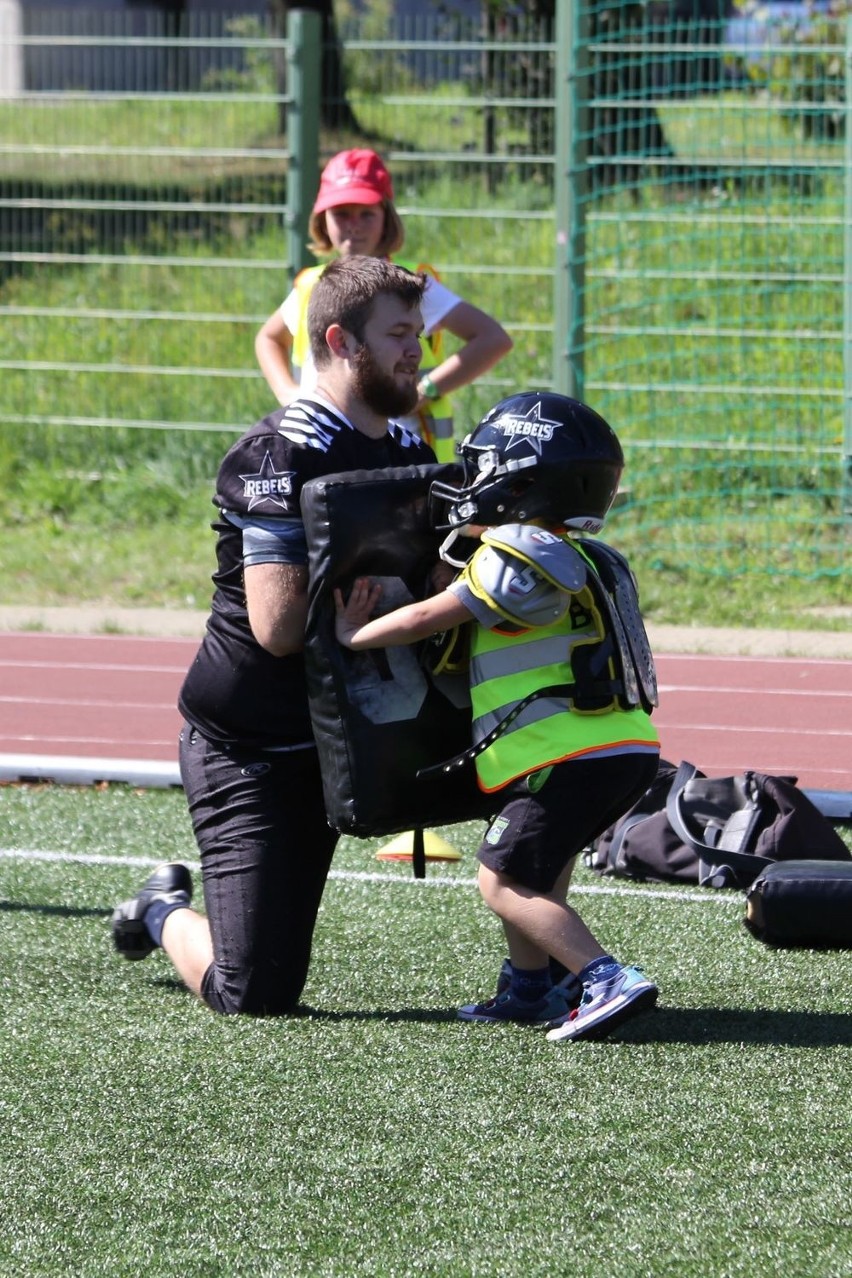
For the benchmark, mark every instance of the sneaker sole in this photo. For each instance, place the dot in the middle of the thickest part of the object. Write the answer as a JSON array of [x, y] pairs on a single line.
[[484, 1019], [130, 937], [642, 1001]]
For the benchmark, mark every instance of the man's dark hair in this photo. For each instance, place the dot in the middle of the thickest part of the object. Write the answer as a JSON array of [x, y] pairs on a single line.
[[345, 292]]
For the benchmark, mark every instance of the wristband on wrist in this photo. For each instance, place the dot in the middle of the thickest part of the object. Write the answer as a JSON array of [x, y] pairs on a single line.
[[427, 388]]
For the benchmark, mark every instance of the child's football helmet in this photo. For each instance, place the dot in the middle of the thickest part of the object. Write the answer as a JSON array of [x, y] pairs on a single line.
[[535, 455]]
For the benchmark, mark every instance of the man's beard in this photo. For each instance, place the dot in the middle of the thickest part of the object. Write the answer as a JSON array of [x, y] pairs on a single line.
[[378, 390]]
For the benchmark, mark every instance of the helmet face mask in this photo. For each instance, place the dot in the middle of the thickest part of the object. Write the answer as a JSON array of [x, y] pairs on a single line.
[[535, 456]]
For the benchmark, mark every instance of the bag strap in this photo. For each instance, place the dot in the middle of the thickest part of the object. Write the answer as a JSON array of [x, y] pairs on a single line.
[[745, 863], [614, 849]]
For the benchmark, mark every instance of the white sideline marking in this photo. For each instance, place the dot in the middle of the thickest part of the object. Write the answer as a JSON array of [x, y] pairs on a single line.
[[365, 876], [89, 702], [754, 729], [128, 667], [810, 693]]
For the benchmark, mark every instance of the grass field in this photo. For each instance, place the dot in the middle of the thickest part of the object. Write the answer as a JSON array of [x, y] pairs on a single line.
[[713, 318], [377, 1136]]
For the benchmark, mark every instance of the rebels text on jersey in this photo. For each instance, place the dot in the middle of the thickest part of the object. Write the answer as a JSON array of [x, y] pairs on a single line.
[[236, 691]]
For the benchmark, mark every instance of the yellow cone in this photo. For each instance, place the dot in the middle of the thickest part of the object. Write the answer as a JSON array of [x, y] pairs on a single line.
[[402, 848]]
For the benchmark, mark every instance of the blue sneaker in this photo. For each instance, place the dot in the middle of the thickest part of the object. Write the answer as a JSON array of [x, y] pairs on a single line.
[[606, 1004], [569, 984], [506, 1007]]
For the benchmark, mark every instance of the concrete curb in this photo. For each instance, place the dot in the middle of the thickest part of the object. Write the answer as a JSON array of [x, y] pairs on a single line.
[[186, 623]]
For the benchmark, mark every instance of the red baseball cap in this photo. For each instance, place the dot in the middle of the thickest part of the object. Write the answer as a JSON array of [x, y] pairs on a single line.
[[353, 177]]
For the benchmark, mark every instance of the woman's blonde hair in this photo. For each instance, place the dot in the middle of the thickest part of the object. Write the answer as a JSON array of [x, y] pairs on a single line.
[[393, 236]]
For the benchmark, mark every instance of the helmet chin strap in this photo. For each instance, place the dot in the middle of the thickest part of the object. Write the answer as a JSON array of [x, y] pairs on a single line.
[[446, 546]]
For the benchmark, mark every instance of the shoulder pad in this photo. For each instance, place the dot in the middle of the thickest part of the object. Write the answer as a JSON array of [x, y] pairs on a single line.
[[514, 588], [621, 601], [553, 557]]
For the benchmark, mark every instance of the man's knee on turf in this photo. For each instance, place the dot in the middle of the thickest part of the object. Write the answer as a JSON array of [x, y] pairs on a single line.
[[243, 994]]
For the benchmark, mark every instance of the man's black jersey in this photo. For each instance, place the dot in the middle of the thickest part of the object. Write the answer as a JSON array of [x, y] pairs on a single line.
[[236, 691]]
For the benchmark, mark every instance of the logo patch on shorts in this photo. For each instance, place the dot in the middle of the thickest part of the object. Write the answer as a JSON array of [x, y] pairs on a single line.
[[497, 829], [256, 769]]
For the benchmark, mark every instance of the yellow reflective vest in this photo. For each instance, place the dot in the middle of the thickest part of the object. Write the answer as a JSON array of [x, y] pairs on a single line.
[[435, 419], [508, 664]]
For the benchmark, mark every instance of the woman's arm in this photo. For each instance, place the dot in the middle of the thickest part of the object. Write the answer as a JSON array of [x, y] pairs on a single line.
[[273, 347], [402, 626], [485, 342]]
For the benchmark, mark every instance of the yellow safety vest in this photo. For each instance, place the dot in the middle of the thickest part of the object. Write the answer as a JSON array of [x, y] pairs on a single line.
[[436, 418], [506, 666]]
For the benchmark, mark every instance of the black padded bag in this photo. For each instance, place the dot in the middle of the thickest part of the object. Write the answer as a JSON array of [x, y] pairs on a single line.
[[802, 903], [714, 831], [380, 716]]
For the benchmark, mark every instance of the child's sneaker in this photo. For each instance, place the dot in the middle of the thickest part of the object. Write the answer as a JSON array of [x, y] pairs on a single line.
[[507, 1007], [569, 984], [606, 1004]]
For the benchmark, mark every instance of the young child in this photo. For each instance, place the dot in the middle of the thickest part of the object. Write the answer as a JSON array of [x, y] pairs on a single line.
[[353, 214], [562, 685]]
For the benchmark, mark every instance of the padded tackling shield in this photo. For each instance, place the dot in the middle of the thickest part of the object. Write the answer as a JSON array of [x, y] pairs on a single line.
[[380, 715]]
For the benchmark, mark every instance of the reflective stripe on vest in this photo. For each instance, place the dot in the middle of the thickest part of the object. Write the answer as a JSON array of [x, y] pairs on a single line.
[[437, 432], [505, 668]]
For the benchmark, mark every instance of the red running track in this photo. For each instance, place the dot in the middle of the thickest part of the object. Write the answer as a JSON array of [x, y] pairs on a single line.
[[114, 697]]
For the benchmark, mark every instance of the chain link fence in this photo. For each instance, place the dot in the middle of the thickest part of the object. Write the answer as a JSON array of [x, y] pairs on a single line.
[[656, 210]]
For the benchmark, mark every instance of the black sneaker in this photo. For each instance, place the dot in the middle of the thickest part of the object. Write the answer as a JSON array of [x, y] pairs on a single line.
[[549, 1010], [171, 881]]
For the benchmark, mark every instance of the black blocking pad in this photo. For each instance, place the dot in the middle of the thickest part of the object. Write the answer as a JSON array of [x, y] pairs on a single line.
[[379, 716]]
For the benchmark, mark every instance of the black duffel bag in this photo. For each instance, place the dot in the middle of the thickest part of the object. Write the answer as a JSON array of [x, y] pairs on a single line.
[[716, 832]]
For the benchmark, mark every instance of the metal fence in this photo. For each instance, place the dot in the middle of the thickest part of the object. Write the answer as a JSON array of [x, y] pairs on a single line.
[[657, 211]]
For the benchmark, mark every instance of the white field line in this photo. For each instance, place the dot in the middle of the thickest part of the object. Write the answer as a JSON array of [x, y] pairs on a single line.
[[733, 658], [732, 689], [675, 725], [123, 667], [362, 876], [92, 703]]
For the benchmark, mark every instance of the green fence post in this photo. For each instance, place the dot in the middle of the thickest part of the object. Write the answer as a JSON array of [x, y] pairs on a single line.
[[303, 103], [570, 182], [847, 282]]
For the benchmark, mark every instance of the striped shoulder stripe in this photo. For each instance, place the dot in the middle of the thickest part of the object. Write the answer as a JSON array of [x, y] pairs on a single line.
[[403, 436], [311, 425]]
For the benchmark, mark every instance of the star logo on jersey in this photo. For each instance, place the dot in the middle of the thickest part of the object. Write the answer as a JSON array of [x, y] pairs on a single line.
[[531, 427], [268, 484]]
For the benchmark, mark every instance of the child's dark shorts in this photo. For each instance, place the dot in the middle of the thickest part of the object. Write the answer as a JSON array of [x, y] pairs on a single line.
[[537, 832]]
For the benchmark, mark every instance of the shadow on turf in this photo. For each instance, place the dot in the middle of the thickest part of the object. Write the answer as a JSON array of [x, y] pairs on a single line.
[[738, 1025], [56, 911], [417, 1015], [661, 1025], [664, 1025]]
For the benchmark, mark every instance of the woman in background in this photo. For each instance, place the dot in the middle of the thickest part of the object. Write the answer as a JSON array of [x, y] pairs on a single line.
[[353, 214]]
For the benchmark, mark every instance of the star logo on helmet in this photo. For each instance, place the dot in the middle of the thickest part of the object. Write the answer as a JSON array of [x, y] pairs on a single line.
[[268, 484], [529, 428]]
